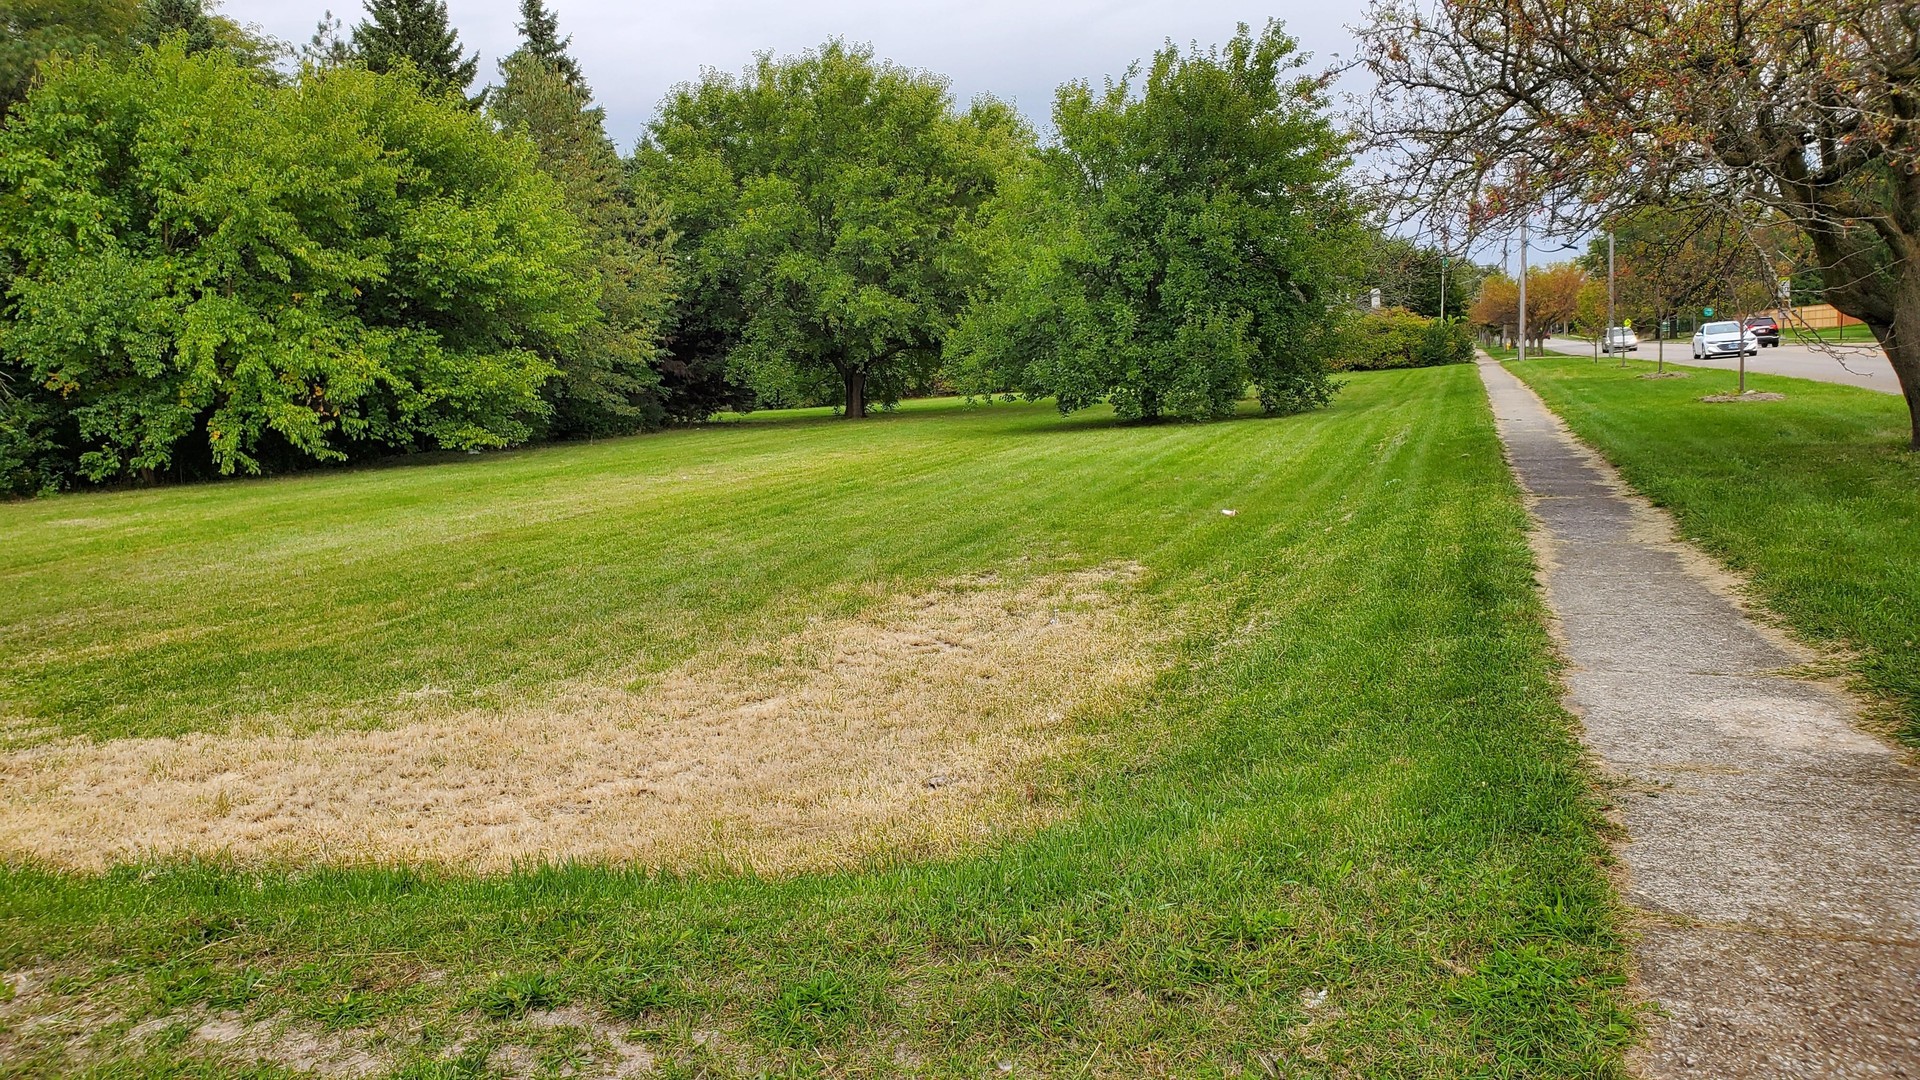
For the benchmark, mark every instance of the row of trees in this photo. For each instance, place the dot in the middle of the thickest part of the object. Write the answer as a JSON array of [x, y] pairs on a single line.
[[214, 265], [1666, 264], [1558, 301]]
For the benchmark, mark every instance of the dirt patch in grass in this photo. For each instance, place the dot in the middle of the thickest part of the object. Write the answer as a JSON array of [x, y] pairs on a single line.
[[1749, 396], [617, 1054], [905, 729], [292, 1046]]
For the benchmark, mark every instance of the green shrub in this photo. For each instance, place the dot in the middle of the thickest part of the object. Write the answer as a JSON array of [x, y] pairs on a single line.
[[1398, 338], [1444, 341]]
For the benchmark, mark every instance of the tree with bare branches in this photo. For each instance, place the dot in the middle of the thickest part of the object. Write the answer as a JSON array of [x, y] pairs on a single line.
[[1581, 110]]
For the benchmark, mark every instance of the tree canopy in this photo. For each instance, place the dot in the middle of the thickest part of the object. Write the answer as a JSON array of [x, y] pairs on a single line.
[[415, 33], [214, 272], [540, 36], [823, 202], [1178, 244], [331, 44]]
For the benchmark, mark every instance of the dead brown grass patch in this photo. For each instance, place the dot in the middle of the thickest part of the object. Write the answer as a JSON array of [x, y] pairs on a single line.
[[902, 730]]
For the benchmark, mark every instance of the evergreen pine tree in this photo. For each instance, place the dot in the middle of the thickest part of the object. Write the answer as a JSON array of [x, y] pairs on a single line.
[[160, 18], [541, 30], [329, 46], [607, 383], [416, 31]]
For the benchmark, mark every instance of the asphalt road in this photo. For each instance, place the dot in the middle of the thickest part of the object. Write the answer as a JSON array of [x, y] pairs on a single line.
[[1850, 365]]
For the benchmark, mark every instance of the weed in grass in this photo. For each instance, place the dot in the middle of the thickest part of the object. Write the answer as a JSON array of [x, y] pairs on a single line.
[[634, 997], [176, 987], [349, 1010], [511, 997], [470, 1064], [810, 1011]]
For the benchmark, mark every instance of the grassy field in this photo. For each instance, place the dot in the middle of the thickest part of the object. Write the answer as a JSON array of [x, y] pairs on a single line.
[[1283, 792], [1509, 353], [1859, 334], [1814, 497]]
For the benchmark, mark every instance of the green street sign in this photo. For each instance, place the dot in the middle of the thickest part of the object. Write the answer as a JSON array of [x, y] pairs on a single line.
[[1708, 313]]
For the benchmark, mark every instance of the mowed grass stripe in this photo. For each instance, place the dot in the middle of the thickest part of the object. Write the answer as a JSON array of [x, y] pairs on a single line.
[[1346, 833], [338, 594], [1813, 498]]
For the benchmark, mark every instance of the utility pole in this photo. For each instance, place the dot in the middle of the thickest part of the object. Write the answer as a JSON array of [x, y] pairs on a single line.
[[1622, 352], [1523, 289]]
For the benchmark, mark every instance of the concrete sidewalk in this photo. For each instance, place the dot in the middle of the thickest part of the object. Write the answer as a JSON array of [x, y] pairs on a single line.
[[1772, 849]]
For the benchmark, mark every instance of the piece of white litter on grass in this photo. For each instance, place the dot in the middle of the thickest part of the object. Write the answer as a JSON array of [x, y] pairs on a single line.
[[1229, 513], [1313, 999]]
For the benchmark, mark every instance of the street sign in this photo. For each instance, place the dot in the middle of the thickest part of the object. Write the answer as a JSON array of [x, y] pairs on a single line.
[[1708, 313]]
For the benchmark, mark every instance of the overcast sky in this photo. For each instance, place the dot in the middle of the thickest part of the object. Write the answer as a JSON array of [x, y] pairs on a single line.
[[1020, 51], [1017, 50]]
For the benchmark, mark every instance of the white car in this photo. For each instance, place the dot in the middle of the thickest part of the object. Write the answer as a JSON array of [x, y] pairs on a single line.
[[1724, 339], [1620, 339]]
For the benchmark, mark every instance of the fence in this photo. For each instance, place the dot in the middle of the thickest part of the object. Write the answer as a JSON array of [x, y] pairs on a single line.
[[1820, 317]]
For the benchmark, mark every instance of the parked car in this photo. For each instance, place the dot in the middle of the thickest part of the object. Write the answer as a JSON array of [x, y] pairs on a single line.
[[1724, 339], [1765, 329], [1620, 339]]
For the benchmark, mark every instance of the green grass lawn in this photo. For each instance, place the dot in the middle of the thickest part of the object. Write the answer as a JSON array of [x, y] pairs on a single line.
[[1345, 830], [1858, 333], [1509, 353], [1814, 498]]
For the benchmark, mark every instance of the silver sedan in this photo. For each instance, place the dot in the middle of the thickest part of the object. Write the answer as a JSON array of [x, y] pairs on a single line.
[[1724, 339]]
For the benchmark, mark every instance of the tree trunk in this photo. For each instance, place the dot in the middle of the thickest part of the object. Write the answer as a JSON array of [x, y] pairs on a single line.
[[1901, 341], [856, 393]]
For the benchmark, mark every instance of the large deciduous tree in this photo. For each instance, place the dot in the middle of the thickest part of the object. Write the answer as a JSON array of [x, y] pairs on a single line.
[[1585, 109], [1497, 306], [1180, 242], [822, 201], [1553, 298], [415, 33], [32, 30], [221, 274]]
